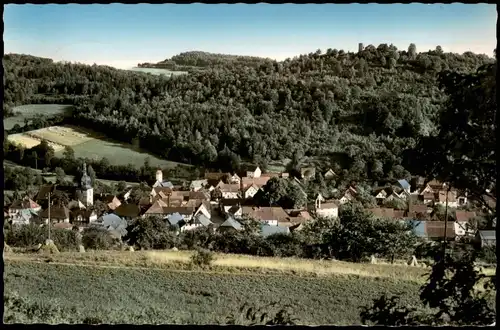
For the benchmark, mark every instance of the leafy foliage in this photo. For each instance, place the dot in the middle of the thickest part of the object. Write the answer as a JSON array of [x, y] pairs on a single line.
[[202, 258], [265, 315]]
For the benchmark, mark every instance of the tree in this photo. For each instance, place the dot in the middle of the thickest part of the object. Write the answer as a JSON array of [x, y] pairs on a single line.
[[463, 152], [450, 297], [91, 174], [60, 175], [68, 153]]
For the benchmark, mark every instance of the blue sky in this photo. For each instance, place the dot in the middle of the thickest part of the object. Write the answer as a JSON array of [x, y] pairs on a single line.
[[123, 35]]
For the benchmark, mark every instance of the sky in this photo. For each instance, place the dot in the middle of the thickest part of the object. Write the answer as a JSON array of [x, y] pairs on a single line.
[[122, 35]]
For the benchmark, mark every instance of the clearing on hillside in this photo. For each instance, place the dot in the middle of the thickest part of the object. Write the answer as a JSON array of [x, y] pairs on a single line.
[[31, 141], [118, 153], [62, 135], [30, 111], [157, 71]]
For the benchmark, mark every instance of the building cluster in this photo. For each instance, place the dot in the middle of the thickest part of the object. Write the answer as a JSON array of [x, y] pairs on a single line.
[[222, 201]]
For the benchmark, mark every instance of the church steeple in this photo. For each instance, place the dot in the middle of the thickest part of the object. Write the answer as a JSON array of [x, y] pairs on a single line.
[[86, 182]]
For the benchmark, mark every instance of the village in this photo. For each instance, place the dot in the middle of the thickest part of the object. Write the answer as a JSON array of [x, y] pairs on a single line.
[[219, 201]]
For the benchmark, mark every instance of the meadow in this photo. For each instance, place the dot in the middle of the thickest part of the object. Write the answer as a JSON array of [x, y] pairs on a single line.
[[156, 71], [88, 144], [126, 294], [30, 111]]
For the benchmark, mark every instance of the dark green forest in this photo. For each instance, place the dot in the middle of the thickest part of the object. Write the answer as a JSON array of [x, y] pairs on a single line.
[[355, 112]]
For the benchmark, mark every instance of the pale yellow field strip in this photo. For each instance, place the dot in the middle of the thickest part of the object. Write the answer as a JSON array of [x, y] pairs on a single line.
[[63, 135], [30, 142]]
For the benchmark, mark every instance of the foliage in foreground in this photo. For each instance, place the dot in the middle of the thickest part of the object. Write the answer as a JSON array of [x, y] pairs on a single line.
[[451, 297], [271, 314]]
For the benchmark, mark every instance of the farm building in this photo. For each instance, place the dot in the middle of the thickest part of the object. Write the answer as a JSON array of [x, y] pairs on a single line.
[[267, 230]]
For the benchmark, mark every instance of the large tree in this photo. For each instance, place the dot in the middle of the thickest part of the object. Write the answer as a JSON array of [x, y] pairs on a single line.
[[463, 151]]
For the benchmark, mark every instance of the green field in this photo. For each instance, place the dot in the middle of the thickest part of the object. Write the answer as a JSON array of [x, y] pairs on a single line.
[[156, 71], [117, 153], [30, 111], [134, 295]]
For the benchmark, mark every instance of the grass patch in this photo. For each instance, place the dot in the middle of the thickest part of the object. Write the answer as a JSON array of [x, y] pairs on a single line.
[[126, 295], [30, 111], [118, 153]]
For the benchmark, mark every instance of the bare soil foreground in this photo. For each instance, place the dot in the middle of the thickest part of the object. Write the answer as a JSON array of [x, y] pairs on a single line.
[[164, 287]]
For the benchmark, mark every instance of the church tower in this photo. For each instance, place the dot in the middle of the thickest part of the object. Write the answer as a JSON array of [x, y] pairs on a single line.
[[86, 187]]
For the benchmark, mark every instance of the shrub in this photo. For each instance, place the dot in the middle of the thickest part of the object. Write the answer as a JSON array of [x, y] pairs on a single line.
[[27, 236], [202, 258], [97, 239], [488, 254]]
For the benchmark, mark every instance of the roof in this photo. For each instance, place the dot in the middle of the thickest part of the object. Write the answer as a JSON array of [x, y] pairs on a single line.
[[404, 184], [429, 196], [259, 182], [25, 203], [418, 208], [198, 183], [382, 212], [228, 187], [267, 230], [252, 186], [175, 219], [74, 204], [435, 229], [464, 216], [164, 190], [328, 205], [452, 196], [230, 222], [157, 207], [165, 184], [128, 210], [202, 219], [488, 234], [230, 201], [178, 210], [233, 209], [44, 190], [271, 175], [265, 213], [56, 212], [112, 222]]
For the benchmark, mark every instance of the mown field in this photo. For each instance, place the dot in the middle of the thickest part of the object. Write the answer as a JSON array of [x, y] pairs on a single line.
[[88, 144], [122, 294], [30, 111]]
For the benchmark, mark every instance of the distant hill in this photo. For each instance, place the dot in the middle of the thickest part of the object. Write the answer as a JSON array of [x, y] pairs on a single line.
[[199, 59]]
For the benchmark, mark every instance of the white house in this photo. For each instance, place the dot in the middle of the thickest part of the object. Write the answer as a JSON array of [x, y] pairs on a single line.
[[348, 196], [197, 185], [203, 209], [255, 173], [198, 221], [235, 179], [452, 198], [328, 209], [229, 191], [463, 229], [250, 191]]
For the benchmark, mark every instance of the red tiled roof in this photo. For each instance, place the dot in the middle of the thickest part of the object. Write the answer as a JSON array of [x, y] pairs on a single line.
[[259, 182], [464, 216], [452, 196], [382, 212], [265, 213], [435, 229]]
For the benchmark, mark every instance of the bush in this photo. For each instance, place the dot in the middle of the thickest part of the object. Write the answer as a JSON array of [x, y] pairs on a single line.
[[202, 258], [151, 233], [26, 236], [488, 254], [97, 239]]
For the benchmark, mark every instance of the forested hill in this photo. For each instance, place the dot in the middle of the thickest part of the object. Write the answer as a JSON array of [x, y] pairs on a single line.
[[198, 59], [356, 111]]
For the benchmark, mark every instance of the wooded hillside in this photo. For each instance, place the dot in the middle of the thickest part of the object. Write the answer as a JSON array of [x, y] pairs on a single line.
[[352, 111]]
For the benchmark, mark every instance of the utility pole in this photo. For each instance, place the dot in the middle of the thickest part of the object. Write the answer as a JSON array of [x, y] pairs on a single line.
[[49, 215], [446, 220]]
